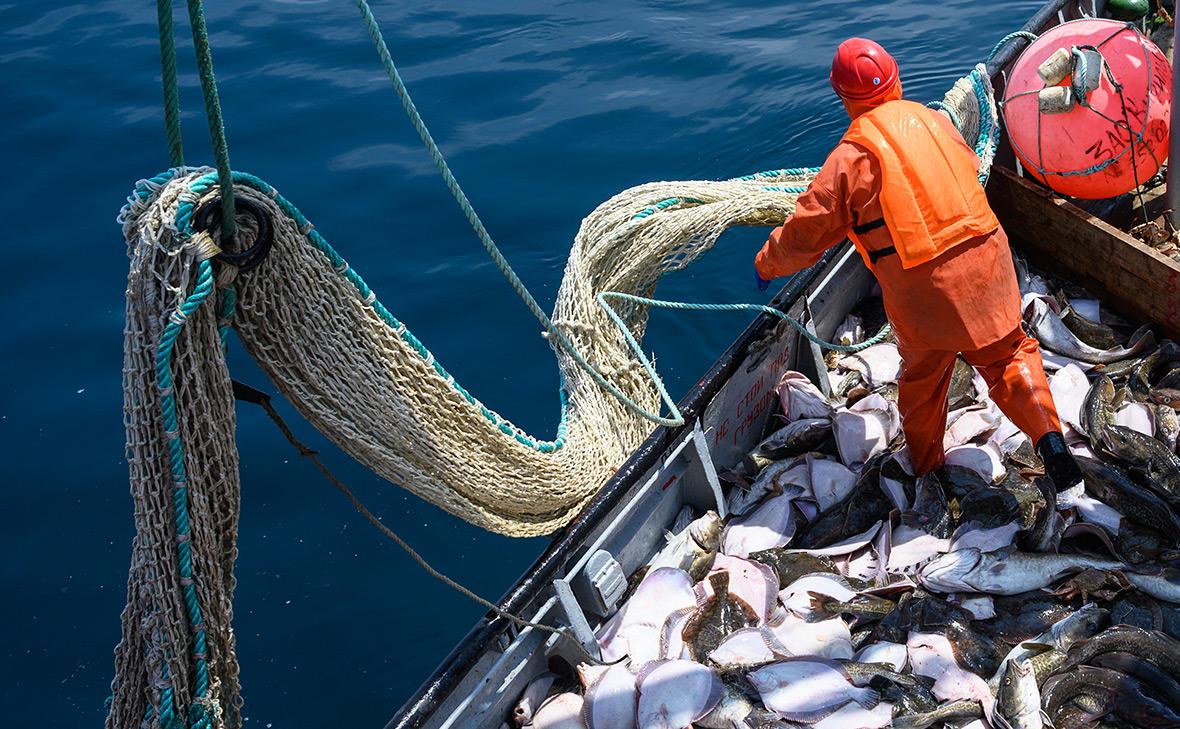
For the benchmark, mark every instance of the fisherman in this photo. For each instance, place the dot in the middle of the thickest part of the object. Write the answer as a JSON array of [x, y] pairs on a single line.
[[903, 186]]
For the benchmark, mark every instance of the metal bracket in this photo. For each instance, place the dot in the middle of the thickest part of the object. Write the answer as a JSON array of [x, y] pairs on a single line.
[[705, 459], [577, 619], [817, 355]]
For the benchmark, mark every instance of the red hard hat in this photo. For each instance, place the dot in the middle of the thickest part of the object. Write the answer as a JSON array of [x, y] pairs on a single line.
[[862, 70]]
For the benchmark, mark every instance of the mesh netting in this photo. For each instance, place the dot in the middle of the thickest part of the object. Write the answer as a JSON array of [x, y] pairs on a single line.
[[361, 378]]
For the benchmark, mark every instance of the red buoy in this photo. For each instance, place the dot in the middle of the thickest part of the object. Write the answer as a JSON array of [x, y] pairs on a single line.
[[1101, 129]]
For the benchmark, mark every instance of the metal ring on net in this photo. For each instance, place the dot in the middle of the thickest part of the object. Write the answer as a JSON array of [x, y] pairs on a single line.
[[208, 216]]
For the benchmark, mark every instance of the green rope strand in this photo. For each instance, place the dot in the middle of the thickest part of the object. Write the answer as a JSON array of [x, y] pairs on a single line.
[[676, 419], [196, 14], [694, 306], [1030, 37], [171, 87]]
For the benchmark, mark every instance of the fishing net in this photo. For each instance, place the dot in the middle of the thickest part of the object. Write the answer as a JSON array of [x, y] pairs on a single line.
[[362, 379]]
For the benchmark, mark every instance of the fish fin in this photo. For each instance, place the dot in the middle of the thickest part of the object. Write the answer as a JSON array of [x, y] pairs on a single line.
[[913, 519], [1142, 338], [1038, 647], [819, 604], [869, 698]]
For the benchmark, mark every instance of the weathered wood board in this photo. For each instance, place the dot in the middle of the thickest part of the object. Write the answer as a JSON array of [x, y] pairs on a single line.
[[1123, 272]]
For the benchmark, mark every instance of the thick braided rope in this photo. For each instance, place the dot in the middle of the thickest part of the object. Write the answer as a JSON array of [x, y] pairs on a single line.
[[196, 14], [171, 422], [171, 87]]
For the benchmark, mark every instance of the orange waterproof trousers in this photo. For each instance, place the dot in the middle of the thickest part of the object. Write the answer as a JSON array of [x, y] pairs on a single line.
[[1015, 377]]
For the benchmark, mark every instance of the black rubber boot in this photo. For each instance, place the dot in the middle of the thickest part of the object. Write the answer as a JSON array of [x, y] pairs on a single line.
[[1060, 466]]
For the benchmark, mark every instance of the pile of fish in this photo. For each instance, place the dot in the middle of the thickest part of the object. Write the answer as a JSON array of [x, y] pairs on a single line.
[[841, 592]]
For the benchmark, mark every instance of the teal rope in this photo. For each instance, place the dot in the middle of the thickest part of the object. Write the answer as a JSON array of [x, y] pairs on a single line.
[[1008, 38], [989, 131], [694, 306], [196, 14], [229, 302], [168, 413], [171, 87]]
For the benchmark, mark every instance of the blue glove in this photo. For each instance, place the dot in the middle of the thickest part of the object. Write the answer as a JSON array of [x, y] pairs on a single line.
[[760, 282]]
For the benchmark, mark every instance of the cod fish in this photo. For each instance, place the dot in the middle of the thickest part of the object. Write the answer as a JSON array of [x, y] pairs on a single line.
[[1166, 396], [1001, 573], [674, 694], [1151, 645], [1098, 410], [1112, 486], [1048, 651], [1115, 693], [1052, 333], [794, 439], [1148, 456], [1159, 681], [809, 689], [692, 549], [1167, 426], [1018, 700], [1162, 586], [962, 709], [1095, 334]]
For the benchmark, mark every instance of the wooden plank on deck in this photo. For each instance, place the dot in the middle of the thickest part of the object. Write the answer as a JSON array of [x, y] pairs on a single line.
[[1123, 272]]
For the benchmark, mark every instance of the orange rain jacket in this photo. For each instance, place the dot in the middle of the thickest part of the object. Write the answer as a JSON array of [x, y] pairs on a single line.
[[949, 288], [964, 299]]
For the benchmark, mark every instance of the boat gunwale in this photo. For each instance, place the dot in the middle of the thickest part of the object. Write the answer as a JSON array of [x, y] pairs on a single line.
[[431, 694]]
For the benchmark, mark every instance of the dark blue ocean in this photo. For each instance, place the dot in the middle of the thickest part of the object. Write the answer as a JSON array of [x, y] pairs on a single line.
[[544, 109]]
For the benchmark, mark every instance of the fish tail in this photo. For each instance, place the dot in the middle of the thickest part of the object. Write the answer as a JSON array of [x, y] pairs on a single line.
[[868, 698]]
